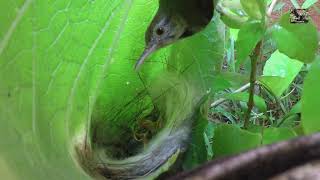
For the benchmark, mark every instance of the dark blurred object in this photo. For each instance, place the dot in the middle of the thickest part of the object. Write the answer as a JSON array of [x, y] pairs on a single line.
[[299, 16], [262, 163]]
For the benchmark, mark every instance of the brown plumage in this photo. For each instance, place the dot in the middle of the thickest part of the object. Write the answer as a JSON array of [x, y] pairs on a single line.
[[175, 19]]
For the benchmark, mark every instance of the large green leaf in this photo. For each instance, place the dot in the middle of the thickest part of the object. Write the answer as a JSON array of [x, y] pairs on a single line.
[[273, 135], [229, 139], [63, 63], [311, 100], [296, 40], [53, 57], [279, 72]]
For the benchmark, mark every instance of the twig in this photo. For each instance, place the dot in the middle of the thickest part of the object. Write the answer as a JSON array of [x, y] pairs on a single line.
[[285, 96], [222, 100], [254, 58], [271, 7]]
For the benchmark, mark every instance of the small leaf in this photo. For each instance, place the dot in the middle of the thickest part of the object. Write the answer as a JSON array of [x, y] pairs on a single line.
[[232, 13], [298, 41], [249, 35], [308, 3], [273, 135], [292, 118], [244, 97], [229, 139], [311, 100], [232, 21], [254, 8], [280, 65]]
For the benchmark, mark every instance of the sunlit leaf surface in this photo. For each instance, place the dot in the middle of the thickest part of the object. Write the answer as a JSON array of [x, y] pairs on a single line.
[[230, 139], [279, 72], [311, 101]]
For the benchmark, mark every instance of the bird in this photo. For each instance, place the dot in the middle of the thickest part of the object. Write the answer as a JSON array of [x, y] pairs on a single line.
[[175, 20]]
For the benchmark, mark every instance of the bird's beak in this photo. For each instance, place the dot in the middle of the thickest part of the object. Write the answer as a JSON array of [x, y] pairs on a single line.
[[146, 53]]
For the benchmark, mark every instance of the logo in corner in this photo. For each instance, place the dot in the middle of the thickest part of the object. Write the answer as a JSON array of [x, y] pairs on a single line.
[[299, 16]]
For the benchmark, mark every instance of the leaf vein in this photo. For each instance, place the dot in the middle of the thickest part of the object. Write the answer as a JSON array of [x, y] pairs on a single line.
[[13, 26]]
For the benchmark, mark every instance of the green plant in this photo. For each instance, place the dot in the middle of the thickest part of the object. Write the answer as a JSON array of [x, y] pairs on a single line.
[[277, 54], [67, 81]]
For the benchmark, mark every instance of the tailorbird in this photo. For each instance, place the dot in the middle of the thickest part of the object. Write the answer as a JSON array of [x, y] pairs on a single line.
[[175, 20]]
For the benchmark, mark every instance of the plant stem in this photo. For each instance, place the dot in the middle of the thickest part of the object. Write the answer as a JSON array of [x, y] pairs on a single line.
[[222, 100], [271, 7], [254, 58]]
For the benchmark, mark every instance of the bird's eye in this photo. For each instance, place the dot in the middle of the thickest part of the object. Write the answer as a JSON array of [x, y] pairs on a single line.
[[160, 31]]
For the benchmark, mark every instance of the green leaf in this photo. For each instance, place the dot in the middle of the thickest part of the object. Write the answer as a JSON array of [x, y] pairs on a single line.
[[254, 8], [244, 97], [197, 152], [229, 139], [311, 100], [224, 80], [273, 135], [296, 40], [299, 130], [220, 83], [249, 35], [297, 108], [279, 72], [292, 118], [209, 132], [308, 3], [272, 84], [66, 65], [53, 58], [232, 19], [290, 121]]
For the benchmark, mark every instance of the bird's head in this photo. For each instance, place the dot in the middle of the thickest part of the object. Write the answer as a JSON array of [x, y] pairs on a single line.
[[163, 30]]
